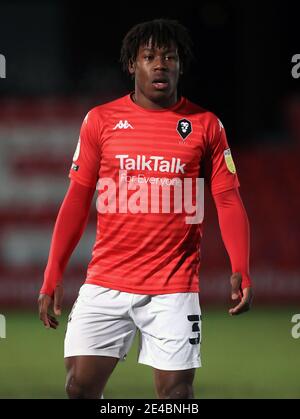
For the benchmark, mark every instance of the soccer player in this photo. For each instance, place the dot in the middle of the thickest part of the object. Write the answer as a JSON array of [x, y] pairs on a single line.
[[138, 151]]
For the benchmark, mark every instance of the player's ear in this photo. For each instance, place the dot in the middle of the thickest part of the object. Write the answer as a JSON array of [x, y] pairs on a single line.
[[131, 67]]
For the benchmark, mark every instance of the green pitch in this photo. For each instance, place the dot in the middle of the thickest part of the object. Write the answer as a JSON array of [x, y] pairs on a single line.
[[252, 356]]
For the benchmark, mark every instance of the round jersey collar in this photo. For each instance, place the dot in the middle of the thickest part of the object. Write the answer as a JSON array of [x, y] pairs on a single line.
[[177, 105]]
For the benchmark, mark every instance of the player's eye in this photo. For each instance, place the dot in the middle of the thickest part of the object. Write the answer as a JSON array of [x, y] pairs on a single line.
[[148, 57], [169, 57]]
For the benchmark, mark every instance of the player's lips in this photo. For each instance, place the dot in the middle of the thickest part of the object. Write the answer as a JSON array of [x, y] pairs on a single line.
[[160, 83]]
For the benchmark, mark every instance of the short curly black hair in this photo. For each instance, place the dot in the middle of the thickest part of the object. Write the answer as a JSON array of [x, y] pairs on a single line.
[[161, 32]]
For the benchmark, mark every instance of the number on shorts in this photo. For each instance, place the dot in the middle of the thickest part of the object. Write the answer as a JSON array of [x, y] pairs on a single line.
[[195, 318]]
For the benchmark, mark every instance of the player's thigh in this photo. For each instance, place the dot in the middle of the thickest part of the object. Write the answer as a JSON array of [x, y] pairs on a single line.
[[99, 324], [174, 384], [170, 328], [88, 374]]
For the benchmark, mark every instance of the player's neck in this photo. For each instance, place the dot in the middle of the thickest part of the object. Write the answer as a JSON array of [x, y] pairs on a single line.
[[147, 103]]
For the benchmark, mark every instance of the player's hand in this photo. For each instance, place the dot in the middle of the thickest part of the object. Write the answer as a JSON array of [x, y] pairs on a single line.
[[46, 303], [243, 297]]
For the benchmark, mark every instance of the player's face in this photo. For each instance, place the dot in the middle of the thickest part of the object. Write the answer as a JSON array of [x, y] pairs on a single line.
[[156, 72]]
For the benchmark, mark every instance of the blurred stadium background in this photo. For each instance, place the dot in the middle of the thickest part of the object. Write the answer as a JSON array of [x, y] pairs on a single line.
[[62, 59]]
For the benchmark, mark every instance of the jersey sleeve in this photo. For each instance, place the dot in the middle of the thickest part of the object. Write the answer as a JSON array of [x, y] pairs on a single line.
[[87, 156], [218, 167]]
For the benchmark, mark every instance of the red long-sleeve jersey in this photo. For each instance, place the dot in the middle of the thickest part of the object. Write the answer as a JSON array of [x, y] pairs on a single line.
[[140, 160]]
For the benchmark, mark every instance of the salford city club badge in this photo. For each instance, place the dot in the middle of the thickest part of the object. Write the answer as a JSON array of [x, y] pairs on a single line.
[[184, 128]]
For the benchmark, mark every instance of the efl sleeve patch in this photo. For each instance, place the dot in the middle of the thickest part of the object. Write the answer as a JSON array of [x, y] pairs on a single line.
[[229, 161]]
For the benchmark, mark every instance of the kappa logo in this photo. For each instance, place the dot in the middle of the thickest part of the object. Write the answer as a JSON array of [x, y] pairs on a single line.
[[123, 125], [184, 128]]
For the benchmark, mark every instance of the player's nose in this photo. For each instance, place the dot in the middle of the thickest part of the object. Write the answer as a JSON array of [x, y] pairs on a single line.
[[159, 63]]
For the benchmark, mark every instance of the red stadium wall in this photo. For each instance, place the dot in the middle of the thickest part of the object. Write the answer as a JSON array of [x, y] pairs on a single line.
[[37, 141]]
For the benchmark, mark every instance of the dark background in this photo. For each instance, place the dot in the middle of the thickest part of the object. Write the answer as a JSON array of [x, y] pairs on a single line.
[[242, 67], [62, 58]]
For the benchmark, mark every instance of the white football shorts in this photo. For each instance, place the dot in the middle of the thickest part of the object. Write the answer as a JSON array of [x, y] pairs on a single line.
[[104, 322]]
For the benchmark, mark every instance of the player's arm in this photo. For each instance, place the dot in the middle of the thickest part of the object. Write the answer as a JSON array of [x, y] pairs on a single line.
[[235, 231], [220, 174], [69, 226], [73, 215]]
